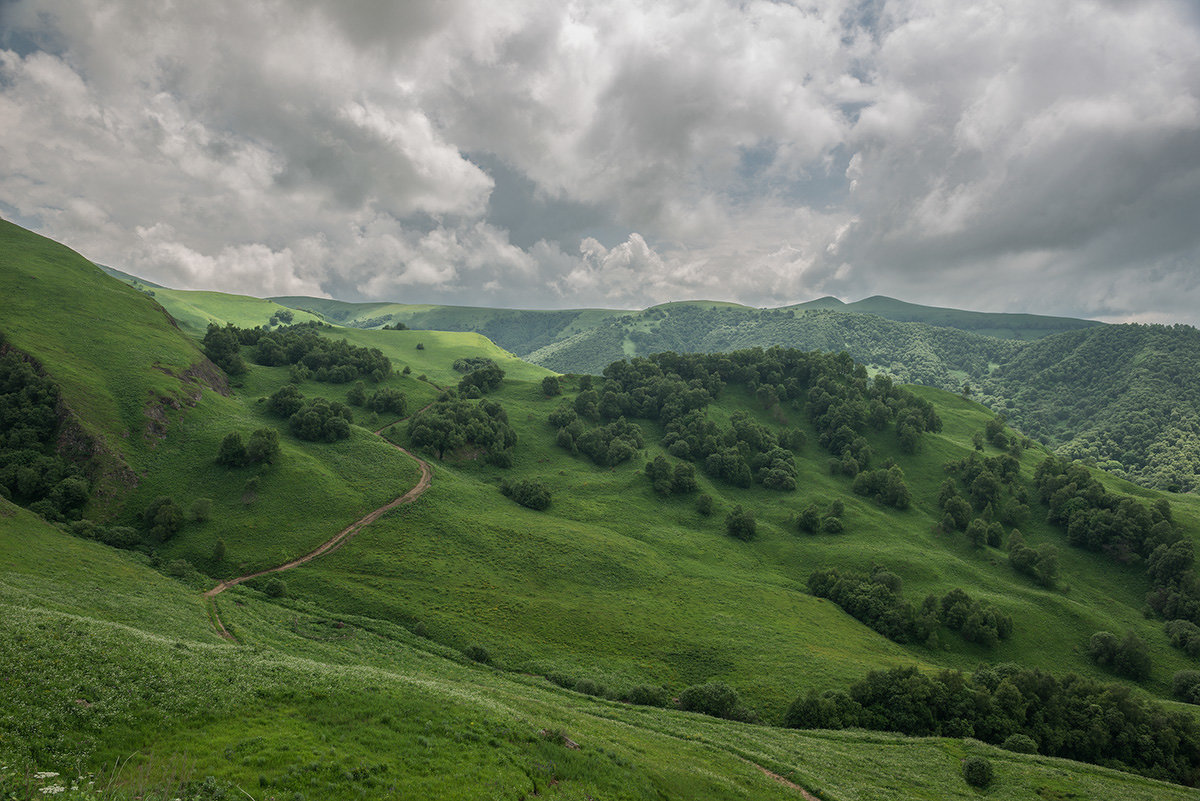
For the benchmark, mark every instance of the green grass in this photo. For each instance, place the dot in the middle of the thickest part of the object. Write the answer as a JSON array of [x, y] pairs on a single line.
[[194, 310], [333, 695]]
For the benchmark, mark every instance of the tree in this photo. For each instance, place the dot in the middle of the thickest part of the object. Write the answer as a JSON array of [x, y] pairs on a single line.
[[551, 386], [263, 447], [201, 510], [740, 523], [162, 518], [715, 698], [219, 551], [232, 452]]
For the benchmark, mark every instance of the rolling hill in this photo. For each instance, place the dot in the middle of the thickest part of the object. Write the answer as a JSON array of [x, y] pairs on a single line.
[[463, 644]]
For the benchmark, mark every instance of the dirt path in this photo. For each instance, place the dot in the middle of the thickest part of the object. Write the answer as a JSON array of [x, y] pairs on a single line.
[[331, 545]]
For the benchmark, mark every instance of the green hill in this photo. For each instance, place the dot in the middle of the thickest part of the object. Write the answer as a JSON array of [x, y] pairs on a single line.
[[462, 643]]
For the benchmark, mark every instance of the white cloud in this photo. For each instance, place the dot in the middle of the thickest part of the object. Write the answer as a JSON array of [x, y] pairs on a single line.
[[998, 154]]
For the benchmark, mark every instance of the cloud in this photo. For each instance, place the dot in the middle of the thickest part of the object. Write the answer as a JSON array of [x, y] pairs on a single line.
[[1018, 155]]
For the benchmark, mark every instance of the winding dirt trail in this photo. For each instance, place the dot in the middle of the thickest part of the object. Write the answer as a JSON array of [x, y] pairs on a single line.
[[332, 544]]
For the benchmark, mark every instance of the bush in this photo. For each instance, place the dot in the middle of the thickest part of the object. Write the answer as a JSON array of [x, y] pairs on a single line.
[[716, 698], [588, 687], [977, 771], [275, 588], [1020, 744], [532, 493], [232, 452], [704, 505], [551, 386], [1128, 657], [645, 695], [1186, 686], [740, 524], [263, 447], [162, 518], [477, 653], [200, 510]]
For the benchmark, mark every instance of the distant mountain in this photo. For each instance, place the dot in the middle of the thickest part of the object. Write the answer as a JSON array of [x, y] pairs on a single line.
[[994, 324]]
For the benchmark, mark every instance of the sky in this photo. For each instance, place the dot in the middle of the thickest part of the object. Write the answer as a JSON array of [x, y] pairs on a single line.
[[1002, 155]]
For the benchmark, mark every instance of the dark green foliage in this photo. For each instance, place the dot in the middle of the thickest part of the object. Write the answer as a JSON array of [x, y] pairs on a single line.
[[667, 480], [740, 523], [1069, 717], [223, 347], [810, 519], [1128, 657], [357, 396], [274, 588], [323, 359], [420, 346], [477, 653], [1186, 686], [162, 519], [715, 698], [116, 536], [876, 600], [977, 771], [551, 386], [389, 401], [450, 425], [1040, 564], [588, 687], [704, 505], [645, 695], [219, 551], [286, 401], [200, 510], [263, 447], [321, 420], [397, 326], [232, 452], [606, 445], [32, 472], [1020, 744], [531, 493], [1184, 635], [886, 487], [481, 380]]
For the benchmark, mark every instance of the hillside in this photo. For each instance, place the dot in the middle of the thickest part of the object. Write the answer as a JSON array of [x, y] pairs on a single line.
[[451, 645]]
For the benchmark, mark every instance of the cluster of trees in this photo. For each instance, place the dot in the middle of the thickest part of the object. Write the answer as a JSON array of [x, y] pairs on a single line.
[[1123, 527], [885, 485], [675, 390], [606, 445], [312, 355], [281, 317], [987, 487], [666, 480], [1184, 635], [32, 471], [877, 600], [382, 400], [315, 419], [454, 423], [1128, 656], [1072, 717], [1040, 564], [812, 519], [263, 448], [469, 364], [480, 380], [531, 493], [162, 519]]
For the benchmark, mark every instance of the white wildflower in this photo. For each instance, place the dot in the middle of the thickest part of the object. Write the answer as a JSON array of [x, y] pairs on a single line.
[[53, 789], [45, 774]]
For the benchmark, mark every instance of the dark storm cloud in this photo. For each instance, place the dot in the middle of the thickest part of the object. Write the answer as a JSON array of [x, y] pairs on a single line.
[[1035, 154]]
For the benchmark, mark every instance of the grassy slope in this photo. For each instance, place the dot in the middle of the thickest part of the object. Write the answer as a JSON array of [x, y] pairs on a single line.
[[121, 667], [195, 310]]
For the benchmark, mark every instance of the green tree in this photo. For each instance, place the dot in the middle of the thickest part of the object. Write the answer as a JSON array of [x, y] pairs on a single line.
[[263, 447], [162, 518], [232, 452], [740, 523]]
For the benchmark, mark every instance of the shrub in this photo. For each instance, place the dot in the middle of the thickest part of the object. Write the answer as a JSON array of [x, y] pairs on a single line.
[[704, 505], [201, 510], [645, 695], [275, 588], [551, 386], [232, 452], [162, 518], [263, 447], [740, 524], [977, 771], [1020, 744], [1186, 686], [531, 493], [477, 653], [588, 687], [1128, 657], [219, 551], [716, 698]]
